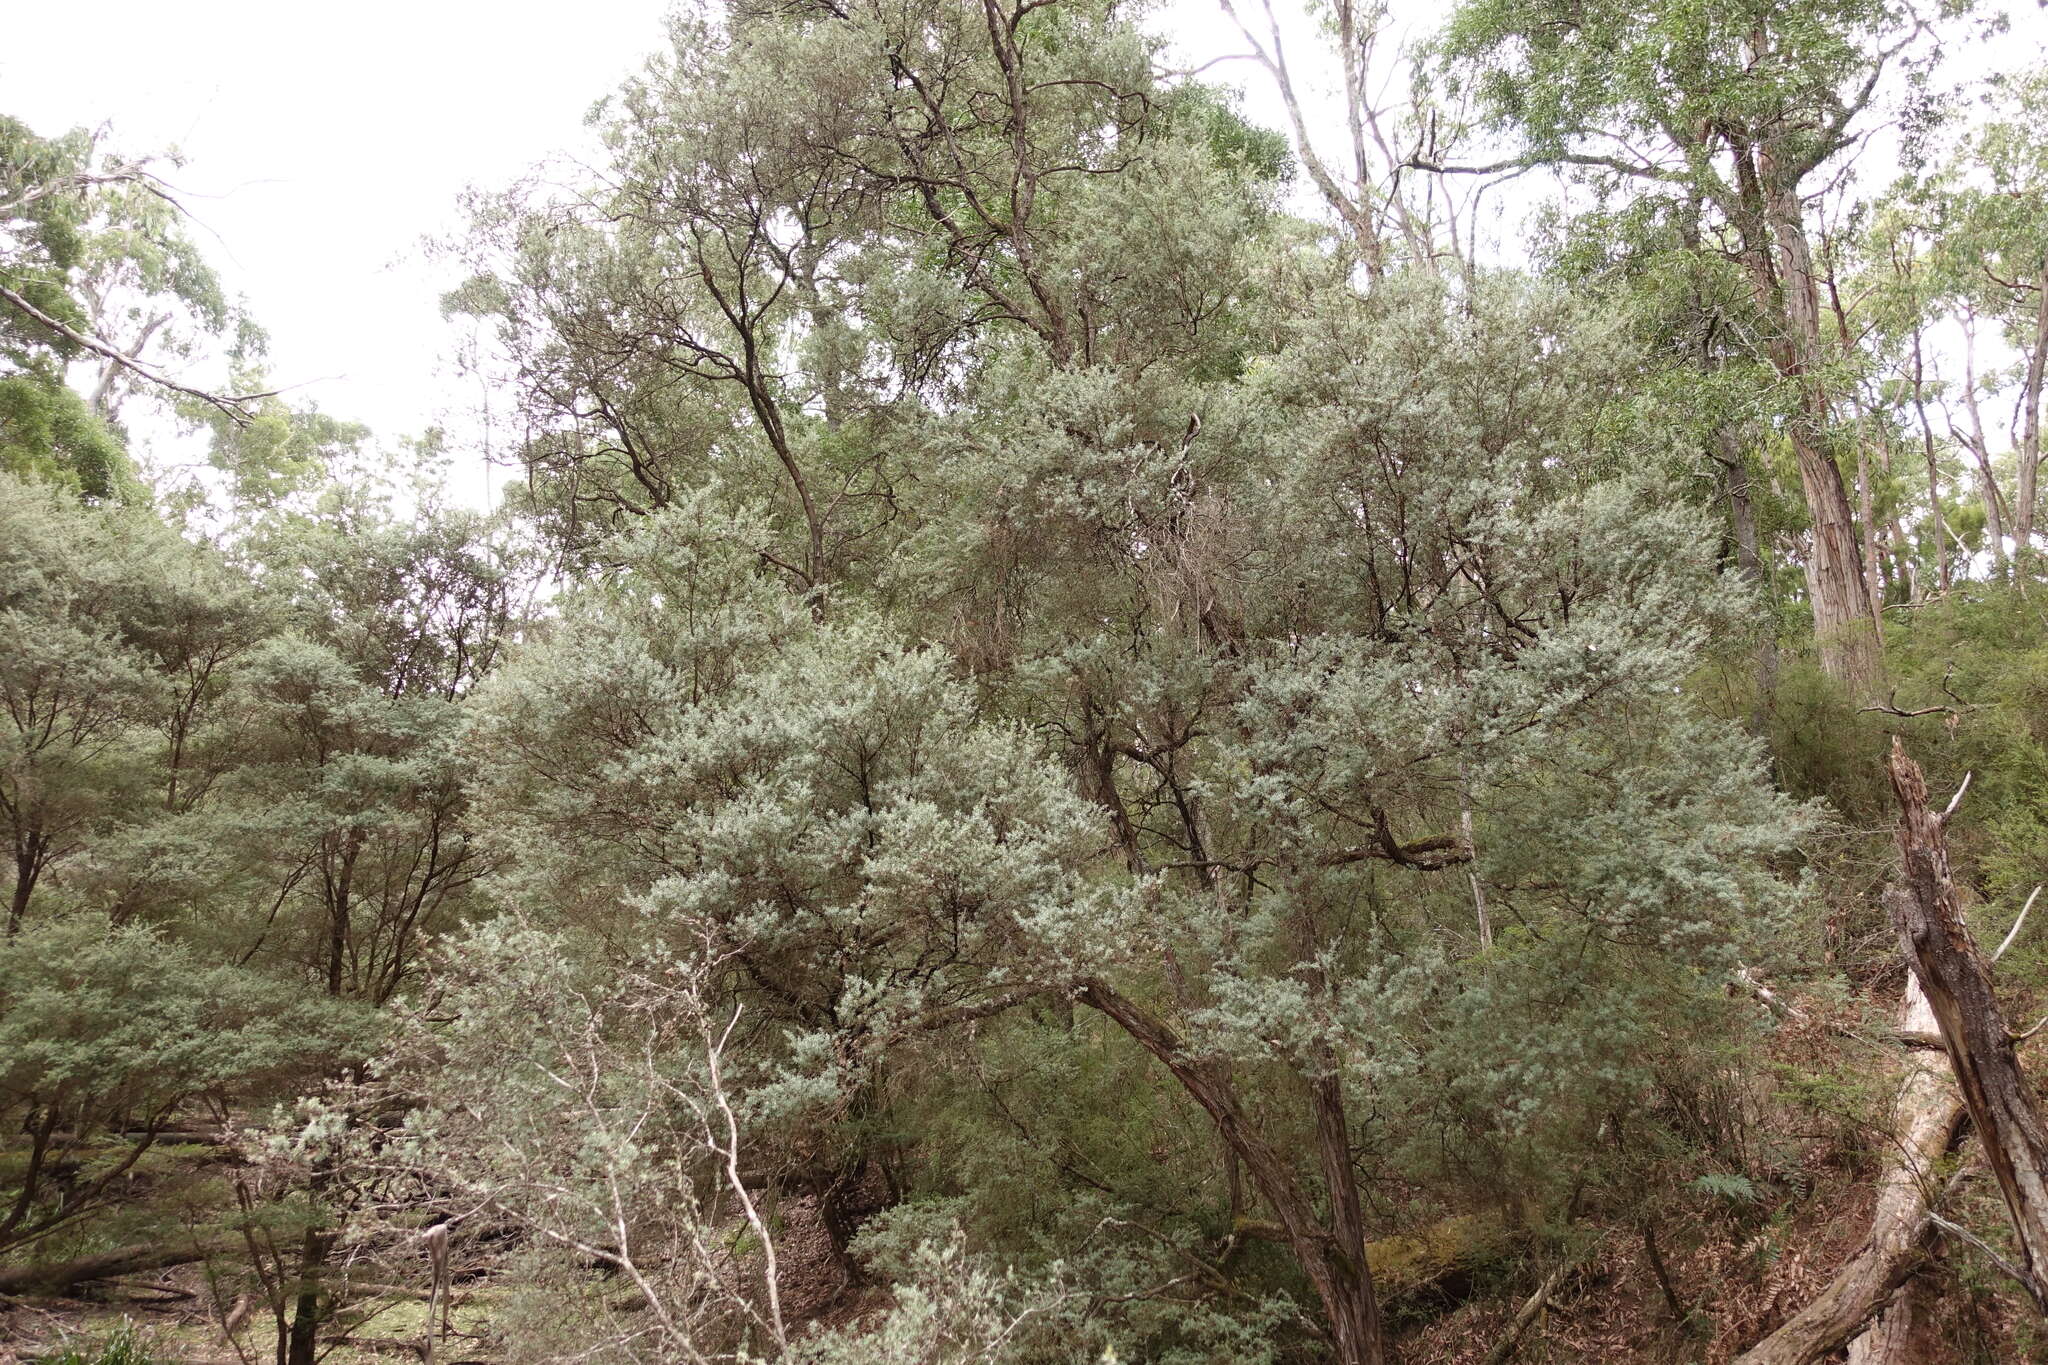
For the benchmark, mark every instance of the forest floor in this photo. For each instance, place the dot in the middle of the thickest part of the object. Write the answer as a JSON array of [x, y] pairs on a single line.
[[178, 1316], [1706, 1293]]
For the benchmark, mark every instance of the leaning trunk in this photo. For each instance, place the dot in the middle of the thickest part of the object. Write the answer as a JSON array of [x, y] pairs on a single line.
[[1333, 1261], [1928, 915]]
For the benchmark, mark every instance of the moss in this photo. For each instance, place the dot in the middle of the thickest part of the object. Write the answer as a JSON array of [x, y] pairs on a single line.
[[1446, 1247]]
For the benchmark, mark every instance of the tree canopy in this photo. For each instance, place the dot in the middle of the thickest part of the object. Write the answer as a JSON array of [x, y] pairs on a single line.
[[1090, 733]]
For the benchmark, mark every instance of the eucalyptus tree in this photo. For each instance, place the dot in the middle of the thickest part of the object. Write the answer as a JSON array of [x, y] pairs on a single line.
[[1992, 256], [45, 428], [149, 293], [1738, 114], [94, 267]]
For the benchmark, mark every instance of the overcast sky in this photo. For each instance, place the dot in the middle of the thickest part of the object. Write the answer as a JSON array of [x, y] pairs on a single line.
[[323, 142]]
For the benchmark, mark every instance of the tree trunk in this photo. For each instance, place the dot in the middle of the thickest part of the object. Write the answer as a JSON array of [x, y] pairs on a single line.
[[1749, 559], [1980, 449], [17, 904], [1945, 960], [338, 884], [1334, 1266], [1941, 570], [1844, 614], [302, 1346], [60, 1277], [1899, 1336], [2030, 423], [29, 848]]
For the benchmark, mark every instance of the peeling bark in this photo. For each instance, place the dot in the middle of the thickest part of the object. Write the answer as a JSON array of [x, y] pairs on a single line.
[[1927, 913]]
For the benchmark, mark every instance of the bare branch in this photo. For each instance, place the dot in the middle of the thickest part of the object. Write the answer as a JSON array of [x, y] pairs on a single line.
[[235, 406], [2014, 932]]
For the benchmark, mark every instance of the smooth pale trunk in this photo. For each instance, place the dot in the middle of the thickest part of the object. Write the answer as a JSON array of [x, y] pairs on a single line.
[[1924, 1120]]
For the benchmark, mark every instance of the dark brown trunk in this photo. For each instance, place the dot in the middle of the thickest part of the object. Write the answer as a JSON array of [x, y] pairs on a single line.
[[1945, 960], [1341, 1278], [302, 1345], [339, 892], [1749, 559], [1654, 1254], [17, 904], [29, 848]]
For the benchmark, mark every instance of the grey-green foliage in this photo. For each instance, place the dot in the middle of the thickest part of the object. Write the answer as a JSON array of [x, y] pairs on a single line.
[[1402, 568], [1073, 591], [690, 755], [115, 1028], [79, 691]]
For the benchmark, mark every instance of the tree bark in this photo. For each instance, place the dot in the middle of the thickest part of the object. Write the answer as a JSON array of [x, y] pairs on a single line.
[[1749, 559], [303, 1345], [1980, 449], [2030, 423], [1941, 557], [1332, 1259], [1945, 960], [1780, 265], [1899, 1336]]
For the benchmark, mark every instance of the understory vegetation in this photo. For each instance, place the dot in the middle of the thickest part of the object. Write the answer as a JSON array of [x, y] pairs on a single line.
[[1093, 731]]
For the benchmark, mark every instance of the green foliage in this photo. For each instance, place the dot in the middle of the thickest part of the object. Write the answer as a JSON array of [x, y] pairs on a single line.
[[122, 1021], [48, 433], [124, 1346], [1033, 739]]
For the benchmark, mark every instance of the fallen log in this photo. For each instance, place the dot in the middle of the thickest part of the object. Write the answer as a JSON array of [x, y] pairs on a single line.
[[1925, 1117], [58, 1278], [1511, 1340]]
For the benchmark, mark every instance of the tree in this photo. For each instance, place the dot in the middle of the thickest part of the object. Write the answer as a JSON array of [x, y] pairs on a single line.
[[77, 694], [1737, 110], [109, 1033], [1993, 259], [90, 237]]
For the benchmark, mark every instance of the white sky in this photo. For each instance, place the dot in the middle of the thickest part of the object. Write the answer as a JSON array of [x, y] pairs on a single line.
[[324, 142]]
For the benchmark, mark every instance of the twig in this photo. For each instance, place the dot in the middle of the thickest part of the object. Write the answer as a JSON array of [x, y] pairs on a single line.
[[2004, 1266], [2014, 932]]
